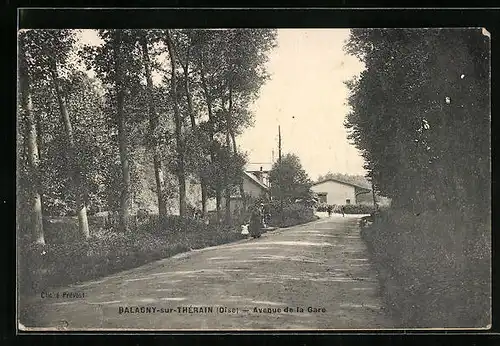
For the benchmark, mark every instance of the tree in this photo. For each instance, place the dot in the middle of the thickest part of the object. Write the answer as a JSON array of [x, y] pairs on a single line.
[[117, 63], [289, 181], [231, 71], [181, 174], [33, 154], [244, 55], [419, 114], [97, 148], [49, 50], [197, 158], [116, 43], [62, 42], [154, 126], [74, 160]]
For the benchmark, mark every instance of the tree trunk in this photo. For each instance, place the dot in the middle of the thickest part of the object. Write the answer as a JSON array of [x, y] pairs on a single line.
[[228, 183], [178, 129], [240, 185], [203, 182], [153, 124], [208, 100], [122, 134], [39, 141], [81, 208], [189, 97], [227, 189], [35, 202]]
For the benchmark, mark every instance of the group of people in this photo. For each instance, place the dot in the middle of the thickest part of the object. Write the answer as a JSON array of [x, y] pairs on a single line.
[[330, 210]]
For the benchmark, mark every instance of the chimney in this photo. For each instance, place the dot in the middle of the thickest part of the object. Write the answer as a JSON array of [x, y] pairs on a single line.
[[260, 175]]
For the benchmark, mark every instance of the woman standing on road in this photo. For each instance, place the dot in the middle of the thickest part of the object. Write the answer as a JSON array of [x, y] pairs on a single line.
[[255, 222]]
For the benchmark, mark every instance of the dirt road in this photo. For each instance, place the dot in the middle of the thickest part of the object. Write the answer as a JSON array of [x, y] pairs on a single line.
[[313, 276]]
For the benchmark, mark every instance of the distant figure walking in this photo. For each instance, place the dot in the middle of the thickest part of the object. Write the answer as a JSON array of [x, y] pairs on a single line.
[[342, 209], [330, 209]]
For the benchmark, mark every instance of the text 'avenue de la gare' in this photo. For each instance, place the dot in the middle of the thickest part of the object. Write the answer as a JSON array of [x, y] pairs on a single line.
[[216, 309]]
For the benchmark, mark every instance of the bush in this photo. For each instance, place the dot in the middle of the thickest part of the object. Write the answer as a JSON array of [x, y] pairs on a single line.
[[108, 250], [323, 207], [293, 214], [348, 208], [358, 209], [66, 258]]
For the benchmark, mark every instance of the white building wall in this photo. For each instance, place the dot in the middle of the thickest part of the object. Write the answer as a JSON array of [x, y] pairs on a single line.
[[251, 188], [236, 204], [336, 193]]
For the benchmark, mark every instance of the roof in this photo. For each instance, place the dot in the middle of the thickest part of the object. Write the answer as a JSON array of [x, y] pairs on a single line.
[[255, 167], [343, 182], [256, 181]]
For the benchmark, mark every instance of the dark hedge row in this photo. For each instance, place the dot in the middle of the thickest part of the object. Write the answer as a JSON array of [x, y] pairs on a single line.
[[348, 208], [293, 214], [66, 259], [434, 267]]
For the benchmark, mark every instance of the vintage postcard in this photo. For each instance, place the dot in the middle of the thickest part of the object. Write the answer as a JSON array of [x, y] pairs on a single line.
[[253, 179]]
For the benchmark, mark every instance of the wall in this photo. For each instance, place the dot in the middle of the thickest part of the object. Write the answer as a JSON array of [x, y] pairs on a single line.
[[337, 193], [263, 176], [145, 197], [249, 187]]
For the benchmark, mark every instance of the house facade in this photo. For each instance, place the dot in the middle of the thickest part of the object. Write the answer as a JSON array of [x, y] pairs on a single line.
[[252, 186], [261, 171], [255, 185], [332, 191]]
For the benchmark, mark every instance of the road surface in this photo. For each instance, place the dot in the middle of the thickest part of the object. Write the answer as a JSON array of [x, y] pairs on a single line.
[[313, 276]]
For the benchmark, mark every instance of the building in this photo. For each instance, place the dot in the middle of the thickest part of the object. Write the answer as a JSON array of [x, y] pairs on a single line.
[[255, 185], [260, 171], [337, 192], [253, 188]]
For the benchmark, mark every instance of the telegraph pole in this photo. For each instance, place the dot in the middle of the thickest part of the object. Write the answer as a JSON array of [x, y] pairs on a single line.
[[279, 144]]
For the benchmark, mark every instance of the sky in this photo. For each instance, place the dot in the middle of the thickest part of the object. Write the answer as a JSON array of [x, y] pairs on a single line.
[[306, 97]]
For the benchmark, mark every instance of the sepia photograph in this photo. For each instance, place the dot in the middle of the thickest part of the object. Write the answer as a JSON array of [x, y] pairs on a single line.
[[238, 179]]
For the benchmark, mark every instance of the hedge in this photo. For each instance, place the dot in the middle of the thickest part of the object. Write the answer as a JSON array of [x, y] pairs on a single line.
[[67, 259], [348, 208], [293, 214], [434, 267]]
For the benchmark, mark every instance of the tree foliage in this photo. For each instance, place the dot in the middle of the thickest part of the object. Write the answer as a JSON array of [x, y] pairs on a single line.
[[289, 180], [420, 114], [125, 113]]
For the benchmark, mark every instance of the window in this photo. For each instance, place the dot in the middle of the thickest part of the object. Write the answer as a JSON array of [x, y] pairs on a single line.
[[322, 197], [347, 201]]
